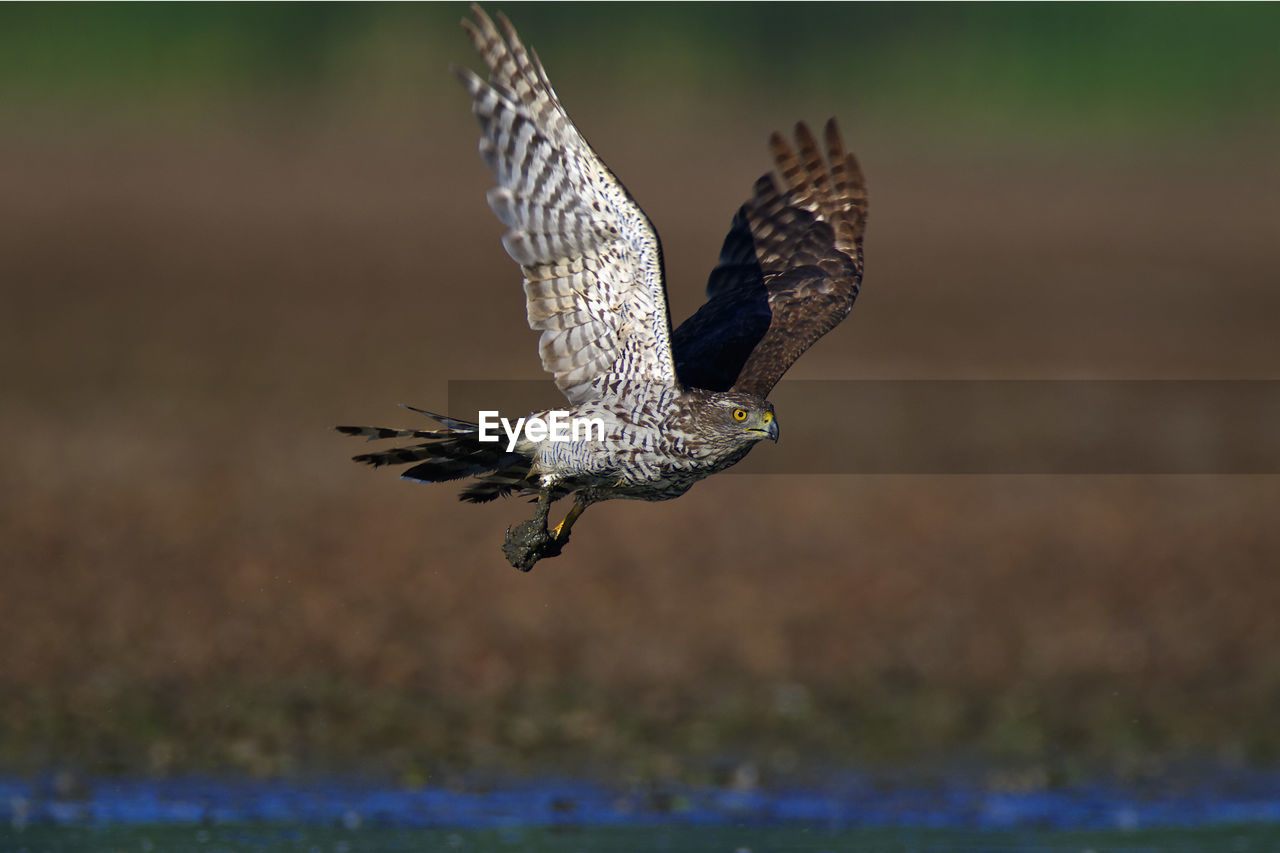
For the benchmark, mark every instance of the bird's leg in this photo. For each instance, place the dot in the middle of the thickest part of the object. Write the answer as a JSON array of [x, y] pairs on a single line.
[[529, 542], [544, 509], [561, 533]]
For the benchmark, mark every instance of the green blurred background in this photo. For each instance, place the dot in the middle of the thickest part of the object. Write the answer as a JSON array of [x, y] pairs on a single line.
[[1200, 71], [224, 228]]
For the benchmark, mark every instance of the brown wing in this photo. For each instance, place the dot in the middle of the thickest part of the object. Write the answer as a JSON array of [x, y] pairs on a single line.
[[788, 273]]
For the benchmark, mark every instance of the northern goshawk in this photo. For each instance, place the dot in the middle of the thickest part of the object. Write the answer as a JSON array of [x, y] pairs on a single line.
[[671, 407]]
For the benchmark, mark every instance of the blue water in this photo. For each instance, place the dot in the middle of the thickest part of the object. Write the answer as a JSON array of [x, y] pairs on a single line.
[[850, 800]]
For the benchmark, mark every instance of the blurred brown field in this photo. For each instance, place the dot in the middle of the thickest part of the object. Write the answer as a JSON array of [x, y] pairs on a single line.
[[192, 572]]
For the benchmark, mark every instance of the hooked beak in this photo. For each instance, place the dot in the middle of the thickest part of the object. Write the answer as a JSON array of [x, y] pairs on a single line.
[[770, 430]]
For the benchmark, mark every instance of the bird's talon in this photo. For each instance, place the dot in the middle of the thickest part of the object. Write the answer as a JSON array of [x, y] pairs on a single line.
[[529, 542]]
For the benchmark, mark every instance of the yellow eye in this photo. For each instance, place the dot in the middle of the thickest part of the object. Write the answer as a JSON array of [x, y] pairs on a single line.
[[739, 414]]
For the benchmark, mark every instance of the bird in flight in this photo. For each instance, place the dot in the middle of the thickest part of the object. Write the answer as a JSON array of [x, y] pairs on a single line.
[[661, 409]]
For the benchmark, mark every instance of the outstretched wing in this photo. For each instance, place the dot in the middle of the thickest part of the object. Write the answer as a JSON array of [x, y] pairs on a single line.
[[593, 277], [788, 271]]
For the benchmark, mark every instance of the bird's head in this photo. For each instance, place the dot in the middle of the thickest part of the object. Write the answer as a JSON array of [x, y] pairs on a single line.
[[738, 418]]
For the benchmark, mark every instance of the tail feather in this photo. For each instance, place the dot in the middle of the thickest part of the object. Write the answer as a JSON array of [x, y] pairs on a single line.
[[452, 423], [449, 454], [500, 483], [453, 463], [400, 455], [375, 433]]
